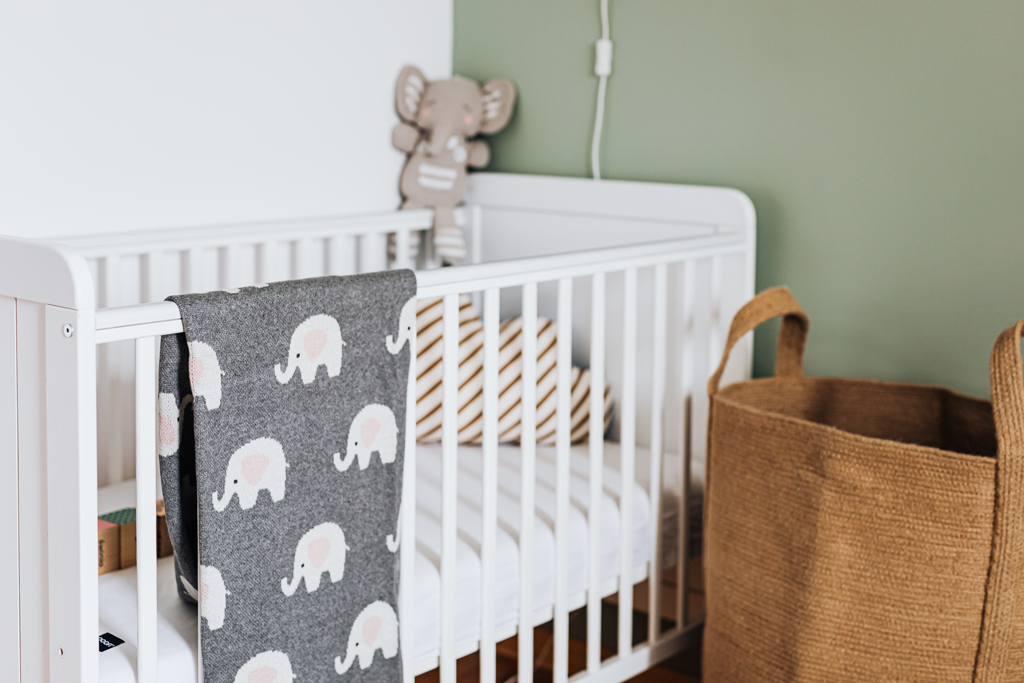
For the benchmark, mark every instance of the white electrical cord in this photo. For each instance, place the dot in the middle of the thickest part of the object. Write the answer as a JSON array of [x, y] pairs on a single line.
[[595, 146], [603, 69]]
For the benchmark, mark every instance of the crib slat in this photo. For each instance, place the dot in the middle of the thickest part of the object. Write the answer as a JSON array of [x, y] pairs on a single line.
[[304, 258], [373, 253], [527, 500], [704, 352], [628, 453], [341, 257], [686, 442], [154, 276], [597, 316], [112, 371], [275, 261], [490, 485], [402, 239], [194, 279], [145, 513], [229, 268], [407, 587], [563, 440], [657, 421], [476, 233], [263, 262], [449, 480], [716, 322]]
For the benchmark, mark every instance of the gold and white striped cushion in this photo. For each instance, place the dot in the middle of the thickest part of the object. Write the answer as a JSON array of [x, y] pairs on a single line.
[[429, 384]]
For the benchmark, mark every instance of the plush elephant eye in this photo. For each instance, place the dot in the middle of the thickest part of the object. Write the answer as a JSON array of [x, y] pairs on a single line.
[[236, 481], [302, 566], [297, 355]]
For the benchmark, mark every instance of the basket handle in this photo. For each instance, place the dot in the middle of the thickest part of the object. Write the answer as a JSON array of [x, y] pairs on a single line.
[[1003, 608], [771, 303]]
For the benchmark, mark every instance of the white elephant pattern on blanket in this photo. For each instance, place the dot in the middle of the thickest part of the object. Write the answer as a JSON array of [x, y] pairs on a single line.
[[271, 666], [373, 430], [406, 328], [376, 628], [212, 595], [170, 419], [204, 373], [321, 549], [316, 341], [258, 465]]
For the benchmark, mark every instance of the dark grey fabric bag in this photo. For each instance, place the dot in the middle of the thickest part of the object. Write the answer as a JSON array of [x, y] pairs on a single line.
[[267, 402]]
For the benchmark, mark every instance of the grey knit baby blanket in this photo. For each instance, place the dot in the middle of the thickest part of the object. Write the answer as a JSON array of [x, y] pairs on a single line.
[[282, 430]]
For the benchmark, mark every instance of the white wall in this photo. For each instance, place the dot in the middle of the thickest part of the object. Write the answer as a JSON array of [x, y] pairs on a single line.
[[118, 115]]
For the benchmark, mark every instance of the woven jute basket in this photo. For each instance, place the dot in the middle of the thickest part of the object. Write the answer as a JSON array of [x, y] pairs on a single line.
[[859, 530]]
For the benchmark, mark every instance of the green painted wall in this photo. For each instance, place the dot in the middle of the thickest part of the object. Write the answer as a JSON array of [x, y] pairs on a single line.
[[882, 142]]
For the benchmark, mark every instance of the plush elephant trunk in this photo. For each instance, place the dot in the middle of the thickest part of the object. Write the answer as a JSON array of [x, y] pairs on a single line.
[[286, 376], [221, 503], [343, 465], [340, 666], [438, 139], [289, 588]]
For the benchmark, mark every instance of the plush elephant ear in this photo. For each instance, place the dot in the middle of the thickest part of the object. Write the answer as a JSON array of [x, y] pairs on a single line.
[[408, 93], [499, 99]]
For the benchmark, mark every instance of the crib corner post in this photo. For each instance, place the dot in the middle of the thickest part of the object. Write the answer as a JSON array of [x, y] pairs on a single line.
[[69, 340], [54, 306]]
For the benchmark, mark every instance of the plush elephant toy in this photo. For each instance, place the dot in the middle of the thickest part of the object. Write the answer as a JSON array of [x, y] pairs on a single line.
[[315, 342], [257, 465], [440, 120], [373, 430], [375, 628], [321, 549]]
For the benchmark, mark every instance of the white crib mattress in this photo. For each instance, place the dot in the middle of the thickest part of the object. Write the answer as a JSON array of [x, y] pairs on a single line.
[[177, 628]]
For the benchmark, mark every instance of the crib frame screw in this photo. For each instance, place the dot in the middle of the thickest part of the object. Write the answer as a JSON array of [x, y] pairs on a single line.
[[69, 331]]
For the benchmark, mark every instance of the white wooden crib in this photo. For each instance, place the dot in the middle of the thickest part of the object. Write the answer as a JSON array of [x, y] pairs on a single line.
[[648, 277]]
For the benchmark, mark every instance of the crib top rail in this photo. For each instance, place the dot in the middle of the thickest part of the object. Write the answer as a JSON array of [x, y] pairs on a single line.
[[154, 319], [119, 244]]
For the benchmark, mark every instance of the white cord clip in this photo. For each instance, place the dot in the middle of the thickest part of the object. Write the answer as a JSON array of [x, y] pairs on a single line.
[[603, 63]]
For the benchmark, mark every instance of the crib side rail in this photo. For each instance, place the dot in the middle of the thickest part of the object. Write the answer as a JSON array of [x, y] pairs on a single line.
[[687, 322]]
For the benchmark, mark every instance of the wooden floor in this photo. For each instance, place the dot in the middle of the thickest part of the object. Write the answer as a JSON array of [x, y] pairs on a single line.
[[468, 668]]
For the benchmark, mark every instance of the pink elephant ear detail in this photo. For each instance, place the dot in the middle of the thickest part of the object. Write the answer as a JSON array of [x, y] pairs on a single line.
[[254, 466], [314, 342], [204, 590], [368, 431], [371, 629], [318, 550], [167, 431], [264, 674], [195, 369]]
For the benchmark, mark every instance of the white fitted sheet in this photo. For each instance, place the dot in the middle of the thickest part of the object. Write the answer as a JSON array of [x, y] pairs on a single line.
[[177, 628]]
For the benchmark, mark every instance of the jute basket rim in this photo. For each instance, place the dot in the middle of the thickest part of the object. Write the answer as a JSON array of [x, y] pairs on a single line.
[[723, 395]]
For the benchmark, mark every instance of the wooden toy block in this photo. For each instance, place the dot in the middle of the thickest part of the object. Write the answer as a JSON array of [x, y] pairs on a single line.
[[109, 546], [163, 539], [125, 520]]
